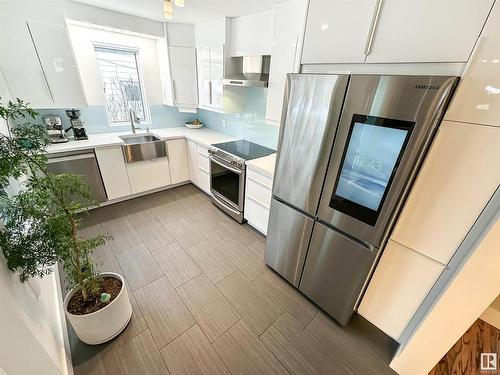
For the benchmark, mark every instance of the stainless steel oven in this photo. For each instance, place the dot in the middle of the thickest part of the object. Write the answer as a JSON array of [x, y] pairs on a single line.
[[227, 185]]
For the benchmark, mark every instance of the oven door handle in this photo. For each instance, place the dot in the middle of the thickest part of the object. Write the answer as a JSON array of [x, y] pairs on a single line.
[[225, 165], [219, 200]]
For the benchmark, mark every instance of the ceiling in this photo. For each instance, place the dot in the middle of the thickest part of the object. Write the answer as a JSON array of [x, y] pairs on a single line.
[[194, 11]]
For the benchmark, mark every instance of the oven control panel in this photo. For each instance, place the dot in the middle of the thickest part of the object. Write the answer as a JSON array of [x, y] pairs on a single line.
[[227, 157], [240, 163]]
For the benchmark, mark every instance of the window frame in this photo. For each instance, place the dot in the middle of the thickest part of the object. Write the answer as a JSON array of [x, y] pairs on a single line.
[[136, 50]]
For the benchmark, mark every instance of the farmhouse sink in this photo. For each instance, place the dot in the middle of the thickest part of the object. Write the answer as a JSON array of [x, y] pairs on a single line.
[[143, 147]]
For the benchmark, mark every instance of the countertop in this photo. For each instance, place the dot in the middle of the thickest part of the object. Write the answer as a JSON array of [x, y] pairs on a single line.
[[204, 136], [264, 165]]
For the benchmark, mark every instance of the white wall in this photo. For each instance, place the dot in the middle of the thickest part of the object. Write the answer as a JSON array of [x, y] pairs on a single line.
[[104, 17], [83, 39], [31, 340]]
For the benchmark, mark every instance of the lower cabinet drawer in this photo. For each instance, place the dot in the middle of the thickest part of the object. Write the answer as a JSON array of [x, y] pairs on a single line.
[[148, 174], [203, 163], [258, 192], [203, 181], [256, 214]]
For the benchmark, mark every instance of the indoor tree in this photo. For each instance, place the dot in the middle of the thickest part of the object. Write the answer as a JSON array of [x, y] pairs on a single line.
[[41, 221]]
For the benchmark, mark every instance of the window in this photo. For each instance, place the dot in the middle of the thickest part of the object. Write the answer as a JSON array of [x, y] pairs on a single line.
[[121, 83]]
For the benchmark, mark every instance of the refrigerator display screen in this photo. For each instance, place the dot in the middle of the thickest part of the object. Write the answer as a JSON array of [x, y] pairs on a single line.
[[373, 150]]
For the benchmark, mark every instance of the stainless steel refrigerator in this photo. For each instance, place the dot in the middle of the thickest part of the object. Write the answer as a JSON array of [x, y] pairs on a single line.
[[348, 151]]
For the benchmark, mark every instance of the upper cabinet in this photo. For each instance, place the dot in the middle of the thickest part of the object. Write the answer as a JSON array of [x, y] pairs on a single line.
[[212, 41], [37, 62], [337, 31], [427, 30], [182, 66], [393, 31], [477, 99], [285, 53], [252, 35], [183, 71], [56, 57]]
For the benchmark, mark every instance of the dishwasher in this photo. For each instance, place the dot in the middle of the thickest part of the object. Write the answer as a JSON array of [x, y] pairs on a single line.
[[83, 163]]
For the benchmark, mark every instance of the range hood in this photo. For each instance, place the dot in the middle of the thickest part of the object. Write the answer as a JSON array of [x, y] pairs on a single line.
[[254, 72]]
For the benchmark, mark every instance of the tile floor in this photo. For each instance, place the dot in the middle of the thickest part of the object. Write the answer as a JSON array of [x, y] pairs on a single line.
[[205, 303]]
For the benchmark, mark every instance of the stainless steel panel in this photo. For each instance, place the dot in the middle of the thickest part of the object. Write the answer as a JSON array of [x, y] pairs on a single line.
[[83, 163], [335, 272], [310, 115], [135, 139], [143, 147], [287, 240], [222, 204], [421, 99]]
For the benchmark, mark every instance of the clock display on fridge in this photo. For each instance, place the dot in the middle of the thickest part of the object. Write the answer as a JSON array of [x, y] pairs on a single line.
[[373, 150]]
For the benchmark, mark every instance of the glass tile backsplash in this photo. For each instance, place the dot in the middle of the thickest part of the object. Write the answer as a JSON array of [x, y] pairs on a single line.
[[248, 124]]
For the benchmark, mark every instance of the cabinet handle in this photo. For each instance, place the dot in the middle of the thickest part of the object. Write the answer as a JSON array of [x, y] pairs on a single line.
[[373, 26], [210, 91], [45, 80], [174, 91]]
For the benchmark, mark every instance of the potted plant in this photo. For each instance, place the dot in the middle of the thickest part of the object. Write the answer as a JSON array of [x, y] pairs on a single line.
[[40, 228]]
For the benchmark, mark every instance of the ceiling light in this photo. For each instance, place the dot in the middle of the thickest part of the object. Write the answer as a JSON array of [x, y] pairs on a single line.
[[167, 9], [179, 3]]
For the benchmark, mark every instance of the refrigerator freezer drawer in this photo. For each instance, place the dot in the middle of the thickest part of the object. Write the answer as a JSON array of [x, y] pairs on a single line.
[[288, 236], [335, 272]]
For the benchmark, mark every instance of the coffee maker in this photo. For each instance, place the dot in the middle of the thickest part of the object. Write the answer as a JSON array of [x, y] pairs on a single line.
[[76, 124], [55, 129]]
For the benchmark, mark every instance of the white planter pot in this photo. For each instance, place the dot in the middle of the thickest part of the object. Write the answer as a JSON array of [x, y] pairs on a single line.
[[105, 324]]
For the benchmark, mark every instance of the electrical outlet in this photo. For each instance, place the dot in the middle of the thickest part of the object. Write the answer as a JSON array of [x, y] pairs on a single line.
[[223, 123]]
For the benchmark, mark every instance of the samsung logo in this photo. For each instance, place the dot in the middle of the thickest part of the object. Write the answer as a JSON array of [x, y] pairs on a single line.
[[427, 87]]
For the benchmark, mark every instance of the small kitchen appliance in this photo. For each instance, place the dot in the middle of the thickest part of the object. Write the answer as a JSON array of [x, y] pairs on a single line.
[[227, 174], [55, 129], [76, 124]]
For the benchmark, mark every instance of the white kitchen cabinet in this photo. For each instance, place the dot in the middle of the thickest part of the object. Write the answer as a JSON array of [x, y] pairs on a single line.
[[164, 68], [477, 98], [36, 59], [199, 165], [252, 35], [282, 63], [204, 91], [178, 160], [149, 174], [217, 77], [285, 53], [427, 30], [258, 194], [203, 168], [58, 63], [337, 31], [399, 285], [392, 31], [183, 72], [113, 171], [456, 181], [192, 161], [210, 77], [20, 68]]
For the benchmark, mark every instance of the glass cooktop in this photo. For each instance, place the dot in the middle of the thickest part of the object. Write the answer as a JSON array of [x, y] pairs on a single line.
[[244, 149]]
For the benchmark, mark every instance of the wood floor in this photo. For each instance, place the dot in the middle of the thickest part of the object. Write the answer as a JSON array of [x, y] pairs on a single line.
[[205, 303], [465, 356]]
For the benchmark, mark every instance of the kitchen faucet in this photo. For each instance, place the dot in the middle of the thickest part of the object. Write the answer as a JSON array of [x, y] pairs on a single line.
[[133, 119]]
